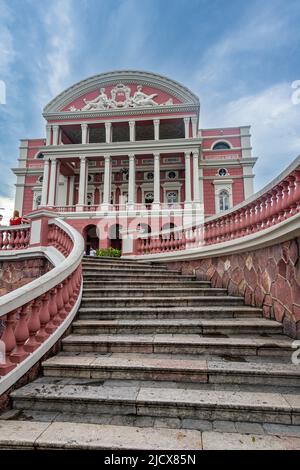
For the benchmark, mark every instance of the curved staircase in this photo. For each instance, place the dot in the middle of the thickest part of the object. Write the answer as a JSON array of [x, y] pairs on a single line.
[[157, 359]]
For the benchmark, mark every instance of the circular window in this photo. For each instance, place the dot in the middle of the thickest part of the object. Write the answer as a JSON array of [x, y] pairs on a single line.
[[171, 175], [222, 172], [150, 175], [40, 179], [90, 178]]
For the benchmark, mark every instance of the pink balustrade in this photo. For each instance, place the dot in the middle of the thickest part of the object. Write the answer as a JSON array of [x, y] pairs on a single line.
[[276, 203], [25, 328], [14, 238]]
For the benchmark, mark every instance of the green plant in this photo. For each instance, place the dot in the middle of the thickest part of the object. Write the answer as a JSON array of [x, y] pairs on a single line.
[[110, 252]]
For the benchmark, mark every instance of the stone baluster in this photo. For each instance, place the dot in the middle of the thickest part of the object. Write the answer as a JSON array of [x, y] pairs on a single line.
[[34, 326], [21, 333], [9, 340], [44, 317]]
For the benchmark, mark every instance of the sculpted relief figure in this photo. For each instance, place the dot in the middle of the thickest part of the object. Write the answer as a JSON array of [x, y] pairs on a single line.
[[141, 99], [100, 102], [121, 98]]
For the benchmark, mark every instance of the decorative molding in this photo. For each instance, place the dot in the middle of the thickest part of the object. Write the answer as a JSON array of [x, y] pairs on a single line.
[[128, 77]]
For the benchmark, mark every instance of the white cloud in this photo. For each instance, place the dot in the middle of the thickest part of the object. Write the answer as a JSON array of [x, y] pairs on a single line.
[[57, 21], [275, 123], [6, 209]]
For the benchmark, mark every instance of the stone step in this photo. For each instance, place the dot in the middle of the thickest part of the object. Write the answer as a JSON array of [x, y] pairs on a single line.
[[127, 313], [119, 261], [146, 292], [83, 436], [143, 367], [161, 301], [190, 326], [121, 266], [141, 399], [231, 346], [132, 270], [148, 283], [120, 277]]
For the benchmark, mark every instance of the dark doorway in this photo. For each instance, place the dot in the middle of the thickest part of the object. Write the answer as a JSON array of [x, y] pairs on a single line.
[[115, 239], [91, 238]]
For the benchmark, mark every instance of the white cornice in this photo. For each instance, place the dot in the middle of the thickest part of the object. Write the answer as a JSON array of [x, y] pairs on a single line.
[[123, 148]]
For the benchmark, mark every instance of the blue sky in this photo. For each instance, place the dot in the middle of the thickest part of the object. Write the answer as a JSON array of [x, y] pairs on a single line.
[[239, 57]]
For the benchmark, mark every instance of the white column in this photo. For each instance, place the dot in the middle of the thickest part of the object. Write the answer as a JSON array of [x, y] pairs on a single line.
[[201, 194], [132, 131], [84, 133], [53, 181], [45, 183], [196, 177], [131, 181], [55, 134], [156, 123], [194, 127], [107, 182], [48, 134], [156, 202], [187, 179], [186, 127], [108, 132], [71, 191], [82, 183]]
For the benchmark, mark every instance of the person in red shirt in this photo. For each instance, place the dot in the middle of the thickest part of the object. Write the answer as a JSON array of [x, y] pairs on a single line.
[[17, 220]]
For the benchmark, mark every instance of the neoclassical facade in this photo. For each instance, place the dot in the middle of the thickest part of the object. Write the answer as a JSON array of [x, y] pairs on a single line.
[[124, 144]]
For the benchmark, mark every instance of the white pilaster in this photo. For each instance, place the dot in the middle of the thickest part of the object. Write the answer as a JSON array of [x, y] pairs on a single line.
[[45, 183], [186, 127], [84, 133], [108, 132], [132, 131], [19, 198], [107, 182], [131, 181], [194, 127], [156, 202], [156, 123], [48, 134], [82, 183], [196, 177], [55, 134], [248, 181], [52, 185], [188, 195], [246, 142]]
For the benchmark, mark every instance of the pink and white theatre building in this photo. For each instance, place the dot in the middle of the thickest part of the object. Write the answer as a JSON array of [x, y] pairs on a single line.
[[127, 146]]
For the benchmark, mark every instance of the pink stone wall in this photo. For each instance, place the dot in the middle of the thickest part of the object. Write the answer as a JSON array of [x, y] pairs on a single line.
[[14, 274], [267, 278]]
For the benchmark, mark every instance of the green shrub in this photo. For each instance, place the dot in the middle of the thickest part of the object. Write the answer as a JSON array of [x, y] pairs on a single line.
[[110, 252]]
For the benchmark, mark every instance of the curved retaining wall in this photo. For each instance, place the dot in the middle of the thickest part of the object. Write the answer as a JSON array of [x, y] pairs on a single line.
[[267, 277]]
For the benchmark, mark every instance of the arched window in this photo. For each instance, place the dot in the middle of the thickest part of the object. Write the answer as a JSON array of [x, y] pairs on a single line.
[[172, 197], [223, 200], [149, 198], [221, 146]]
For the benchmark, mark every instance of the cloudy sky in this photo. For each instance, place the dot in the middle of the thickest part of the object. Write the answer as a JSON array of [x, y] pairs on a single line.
[[239, 57]]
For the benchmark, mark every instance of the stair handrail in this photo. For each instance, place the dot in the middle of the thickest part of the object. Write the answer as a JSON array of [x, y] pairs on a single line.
[[34, 316], [272, 206]]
